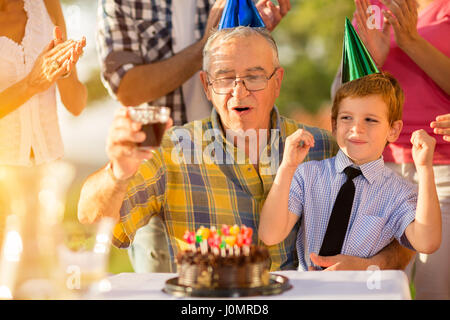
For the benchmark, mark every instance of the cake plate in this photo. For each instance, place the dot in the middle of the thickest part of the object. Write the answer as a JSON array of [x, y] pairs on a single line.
[[277, 284]]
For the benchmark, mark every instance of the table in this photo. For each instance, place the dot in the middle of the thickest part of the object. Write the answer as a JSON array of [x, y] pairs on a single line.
[[333, 285]]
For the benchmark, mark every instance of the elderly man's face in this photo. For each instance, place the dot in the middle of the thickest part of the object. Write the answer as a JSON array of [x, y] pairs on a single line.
[[241, 58]]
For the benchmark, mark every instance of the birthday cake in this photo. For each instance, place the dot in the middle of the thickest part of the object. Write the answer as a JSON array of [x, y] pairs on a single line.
[[223, 258]]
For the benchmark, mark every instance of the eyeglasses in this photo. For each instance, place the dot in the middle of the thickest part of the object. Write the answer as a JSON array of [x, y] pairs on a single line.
[[251, 83]]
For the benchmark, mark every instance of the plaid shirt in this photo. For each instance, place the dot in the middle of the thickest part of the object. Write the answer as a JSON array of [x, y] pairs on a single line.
[[132, 33], [188, 194]]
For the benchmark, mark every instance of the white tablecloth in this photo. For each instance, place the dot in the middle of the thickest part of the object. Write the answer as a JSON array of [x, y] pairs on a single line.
[[338, 285]]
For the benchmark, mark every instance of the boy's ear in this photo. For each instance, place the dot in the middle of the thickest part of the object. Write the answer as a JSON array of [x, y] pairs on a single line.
[[395, 130]]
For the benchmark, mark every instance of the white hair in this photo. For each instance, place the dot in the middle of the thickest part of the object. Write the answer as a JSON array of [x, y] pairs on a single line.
[[238, 32]]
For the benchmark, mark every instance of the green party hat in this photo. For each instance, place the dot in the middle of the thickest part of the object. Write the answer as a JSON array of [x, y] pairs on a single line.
[[356, 60]]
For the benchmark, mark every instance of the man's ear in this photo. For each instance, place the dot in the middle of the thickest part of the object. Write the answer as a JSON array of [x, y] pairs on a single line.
[[204, 79], [278, 79], [395, 130]]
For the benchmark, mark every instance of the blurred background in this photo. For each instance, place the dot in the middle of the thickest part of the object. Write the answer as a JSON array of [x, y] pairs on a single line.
[[310, 47]]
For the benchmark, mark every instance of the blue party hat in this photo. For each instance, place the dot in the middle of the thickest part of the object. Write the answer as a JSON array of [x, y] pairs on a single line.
[[240, 13]]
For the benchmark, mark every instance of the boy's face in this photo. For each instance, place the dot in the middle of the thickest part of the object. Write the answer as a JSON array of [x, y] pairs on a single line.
[[362, 128]]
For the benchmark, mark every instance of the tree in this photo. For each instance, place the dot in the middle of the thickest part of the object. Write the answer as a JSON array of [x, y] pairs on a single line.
[[310, 43]]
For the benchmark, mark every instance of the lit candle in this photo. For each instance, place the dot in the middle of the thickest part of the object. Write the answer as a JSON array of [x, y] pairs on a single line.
[[225, 230], [223, 245], [189, 238], [234, 230]]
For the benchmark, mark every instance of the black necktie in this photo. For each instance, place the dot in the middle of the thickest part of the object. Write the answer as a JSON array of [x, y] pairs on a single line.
[[337, 225]]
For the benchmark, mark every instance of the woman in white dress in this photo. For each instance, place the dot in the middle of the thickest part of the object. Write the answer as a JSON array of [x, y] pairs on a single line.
[[35, 57]]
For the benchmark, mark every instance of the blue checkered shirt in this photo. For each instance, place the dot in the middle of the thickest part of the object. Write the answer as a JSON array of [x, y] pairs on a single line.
[[384, 205]]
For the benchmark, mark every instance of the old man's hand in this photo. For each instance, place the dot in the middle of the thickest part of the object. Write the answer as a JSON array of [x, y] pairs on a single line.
[[121, 146], [339, 262]]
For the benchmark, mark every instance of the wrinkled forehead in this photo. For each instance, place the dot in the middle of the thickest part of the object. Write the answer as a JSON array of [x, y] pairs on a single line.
[[239, 55]]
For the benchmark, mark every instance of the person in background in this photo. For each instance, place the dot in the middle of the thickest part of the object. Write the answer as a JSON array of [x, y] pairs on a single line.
[[34, 57], [151, 52], [412, 44]]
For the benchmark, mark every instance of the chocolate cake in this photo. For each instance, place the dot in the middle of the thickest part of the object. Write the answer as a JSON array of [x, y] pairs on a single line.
[[208, 269]]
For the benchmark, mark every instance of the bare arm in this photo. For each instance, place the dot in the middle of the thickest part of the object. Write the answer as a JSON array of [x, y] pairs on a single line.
[[435, 64], [176, 70], [41, 77], [101, 196], [103, 192], [73, 93], [15, 96], [424, 233], [276, 220], [393, 256], [402, 15], [134, 88]]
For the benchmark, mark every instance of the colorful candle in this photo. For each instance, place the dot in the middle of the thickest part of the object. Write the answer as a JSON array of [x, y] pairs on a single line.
[[227, 238], [189, 238], [234, 230], [225, 230]]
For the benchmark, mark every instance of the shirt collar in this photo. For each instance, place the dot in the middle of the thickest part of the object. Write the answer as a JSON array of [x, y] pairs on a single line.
[[370, 170]]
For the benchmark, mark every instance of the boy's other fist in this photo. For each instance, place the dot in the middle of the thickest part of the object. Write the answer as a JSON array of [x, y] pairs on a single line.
[[423, 148]]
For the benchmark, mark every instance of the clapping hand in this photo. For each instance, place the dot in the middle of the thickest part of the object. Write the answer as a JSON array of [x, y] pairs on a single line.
[[376, 41], [272, 14], [296, 148], [402, 15], [56, 60], [442, 126], [74, 55]]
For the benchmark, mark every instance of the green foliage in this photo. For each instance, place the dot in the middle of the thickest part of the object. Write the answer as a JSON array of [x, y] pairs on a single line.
[[310, 42]]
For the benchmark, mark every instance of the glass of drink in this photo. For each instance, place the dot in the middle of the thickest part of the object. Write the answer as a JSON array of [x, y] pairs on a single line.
[[154, 120], [83, 254]]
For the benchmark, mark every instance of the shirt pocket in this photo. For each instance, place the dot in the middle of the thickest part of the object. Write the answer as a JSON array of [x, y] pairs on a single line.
[[364, 236], [155, 39]]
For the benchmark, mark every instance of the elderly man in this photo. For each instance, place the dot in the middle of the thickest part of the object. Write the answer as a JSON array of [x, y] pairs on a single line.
[[215, 171], [139, 38]]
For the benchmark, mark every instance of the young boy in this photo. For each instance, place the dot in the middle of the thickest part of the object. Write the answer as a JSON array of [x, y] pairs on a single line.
[[366, 115]]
